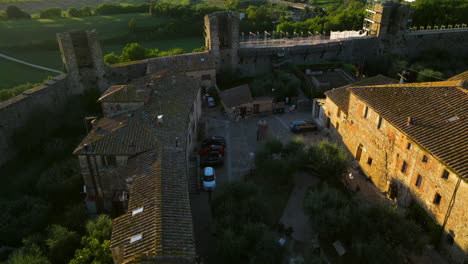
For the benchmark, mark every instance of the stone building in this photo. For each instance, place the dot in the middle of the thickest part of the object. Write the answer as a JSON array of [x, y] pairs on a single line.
[[239, 101], [136, 160], [119, 99], [411, 140]]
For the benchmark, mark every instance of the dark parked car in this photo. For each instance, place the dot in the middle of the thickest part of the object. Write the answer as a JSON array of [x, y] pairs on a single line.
[[215, 140], [211, 158], [302, 126], [209, 148]]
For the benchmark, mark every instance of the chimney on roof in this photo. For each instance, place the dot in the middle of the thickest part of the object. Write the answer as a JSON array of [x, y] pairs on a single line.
[[160, 120], [410, 121], [94, 123]]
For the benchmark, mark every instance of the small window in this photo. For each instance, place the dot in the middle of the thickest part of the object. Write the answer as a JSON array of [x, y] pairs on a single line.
[[338, 114], [379, 123], [206, 77], [137, 211], [369, 161], [337, 125], [366, 112], [404, 167], [437, 198], [445, 174], [408, 146], [111, 161], [419, 181], [425, 159], [136, 238]]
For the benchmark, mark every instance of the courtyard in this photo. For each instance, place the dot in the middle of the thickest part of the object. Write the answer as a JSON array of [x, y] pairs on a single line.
[[241, 143]]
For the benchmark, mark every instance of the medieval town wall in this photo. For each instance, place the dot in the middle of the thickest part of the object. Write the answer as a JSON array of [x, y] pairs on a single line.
[[15, 112]]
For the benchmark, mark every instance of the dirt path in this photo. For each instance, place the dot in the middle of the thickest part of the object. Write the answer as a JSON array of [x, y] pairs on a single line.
[[28, 64]]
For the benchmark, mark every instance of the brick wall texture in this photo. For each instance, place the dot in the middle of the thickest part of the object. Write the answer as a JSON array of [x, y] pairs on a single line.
[[385, 150]]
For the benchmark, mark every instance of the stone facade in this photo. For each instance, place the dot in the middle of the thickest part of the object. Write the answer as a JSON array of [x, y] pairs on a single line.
[[398, 165], [222, 38]]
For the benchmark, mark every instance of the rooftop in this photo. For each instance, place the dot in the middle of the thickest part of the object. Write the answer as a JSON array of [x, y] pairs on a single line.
[[340, 96], [460, 77], [125, 135], [439, 112], [236, 96], [158, 223], [126, 93]]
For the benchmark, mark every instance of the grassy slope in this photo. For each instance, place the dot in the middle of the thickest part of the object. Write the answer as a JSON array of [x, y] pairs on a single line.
[[40, 48]]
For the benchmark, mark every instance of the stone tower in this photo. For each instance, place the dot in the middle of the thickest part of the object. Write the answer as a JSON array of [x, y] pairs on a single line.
[[83, 60], [222, 38], [384, 18]]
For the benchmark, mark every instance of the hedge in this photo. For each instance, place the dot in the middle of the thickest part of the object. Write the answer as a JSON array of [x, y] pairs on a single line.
[[13, 12], [79, 12], [53, 12], [108, 9]]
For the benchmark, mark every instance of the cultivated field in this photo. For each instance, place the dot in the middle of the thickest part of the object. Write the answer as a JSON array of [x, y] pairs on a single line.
[[35, 41], [35, 5]]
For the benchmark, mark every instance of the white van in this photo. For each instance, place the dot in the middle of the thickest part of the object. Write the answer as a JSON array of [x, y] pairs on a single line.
[[209, 179]]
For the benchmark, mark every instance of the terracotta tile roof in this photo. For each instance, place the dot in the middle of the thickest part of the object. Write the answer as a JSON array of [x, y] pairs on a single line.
[[439, 111], [340, 96], [158, 210], [126, 93], [123, 136], [460, 77], [236, 96], [146, 194], [160, 182], [182, 63]]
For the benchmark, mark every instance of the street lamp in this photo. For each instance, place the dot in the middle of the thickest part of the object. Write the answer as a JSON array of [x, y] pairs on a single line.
[[273, 92]]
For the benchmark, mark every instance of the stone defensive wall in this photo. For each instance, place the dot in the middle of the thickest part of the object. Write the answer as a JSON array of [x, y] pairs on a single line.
[[199, 62], [14, 113], [258, 59], [53, 94]]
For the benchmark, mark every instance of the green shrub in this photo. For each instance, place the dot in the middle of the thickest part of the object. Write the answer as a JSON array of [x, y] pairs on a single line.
[[50, 13], [419, 215], [73, 12], [61, 243], [20, 218], [86, 11], [112, 58], [132, 25], [79, 12], [13, 12], [6, 94], [200, 49], [133, 52], [3, 15], [109, 9]]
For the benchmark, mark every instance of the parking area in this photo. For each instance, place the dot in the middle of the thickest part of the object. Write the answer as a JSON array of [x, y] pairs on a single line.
[[241, 138], [241, 141]]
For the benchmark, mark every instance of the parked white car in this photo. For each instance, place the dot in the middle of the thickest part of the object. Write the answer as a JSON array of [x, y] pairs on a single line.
[[209, 179], [211, 101]]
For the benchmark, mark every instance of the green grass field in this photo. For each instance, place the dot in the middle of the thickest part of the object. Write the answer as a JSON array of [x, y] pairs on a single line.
[[35, 41], [17, 33], [12, 73], [15, 1]]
